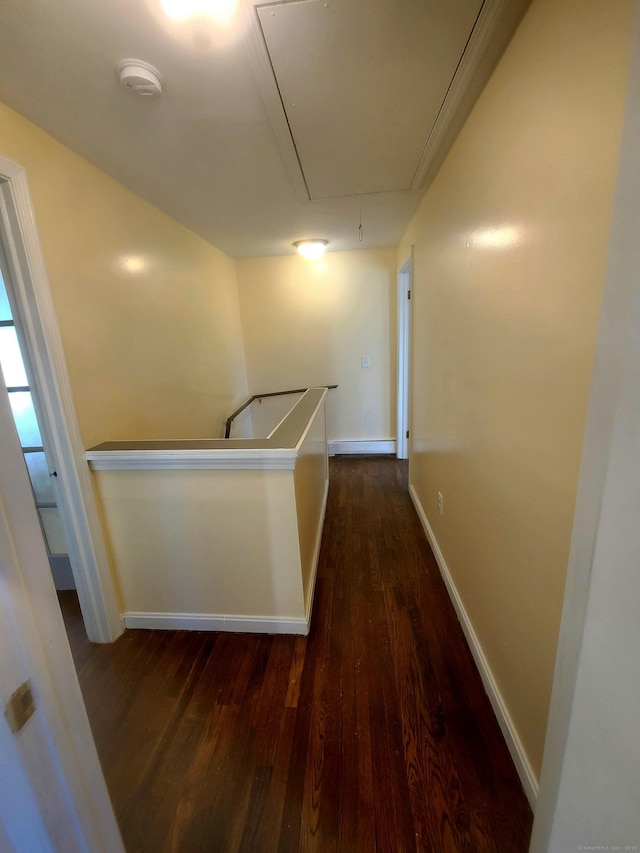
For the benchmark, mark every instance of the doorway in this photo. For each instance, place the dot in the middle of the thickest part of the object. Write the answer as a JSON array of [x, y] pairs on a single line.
[[405, 277], [43, 380], [25, 407]]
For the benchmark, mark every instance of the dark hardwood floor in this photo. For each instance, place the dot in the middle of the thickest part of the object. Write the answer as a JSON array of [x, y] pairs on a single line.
[[372, 734]]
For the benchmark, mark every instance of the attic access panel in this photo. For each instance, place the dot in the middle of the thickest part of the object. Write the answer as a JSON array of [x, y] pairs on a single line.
[[362, 83]]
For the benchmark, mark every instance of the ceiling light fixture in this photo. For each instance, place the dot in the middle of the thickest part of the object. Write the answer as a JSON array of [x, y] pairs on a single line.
[[311, 249]]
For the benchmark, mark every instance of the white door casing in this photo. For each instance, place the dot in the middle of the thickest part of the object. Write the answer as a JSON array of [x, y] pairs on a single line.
[[87, 550], [405, 275]]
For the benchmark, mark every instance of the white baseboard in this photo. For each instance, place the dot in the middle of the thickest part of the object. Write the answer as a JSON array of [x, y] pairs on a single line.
[[375, 446], [212, 622], [520, 760], [316, 556]]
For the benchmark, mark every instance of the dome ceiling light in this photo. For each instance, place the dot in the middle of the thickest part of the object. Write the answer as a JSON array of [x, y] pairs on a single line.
[[311, 249]]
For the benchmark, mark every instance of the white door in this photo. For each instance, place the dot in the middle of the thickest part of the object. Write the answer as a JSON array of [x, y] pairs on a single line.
[[52, 792]]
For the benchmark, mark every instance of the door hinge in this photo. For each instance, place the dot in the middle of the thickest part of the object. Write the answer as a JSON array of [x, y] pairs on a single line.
[[407, 433], [408, 294], [20, 707]]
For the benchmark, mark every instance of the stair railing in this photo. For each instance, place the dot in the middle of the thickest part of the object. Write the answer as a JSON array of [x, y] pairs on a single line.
[[245, 405]]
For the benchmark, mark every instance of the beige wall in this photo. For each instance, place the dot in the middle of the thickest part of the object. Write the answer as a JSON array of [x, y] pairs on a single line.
[[510, 250], [308, 324], [148, 311]]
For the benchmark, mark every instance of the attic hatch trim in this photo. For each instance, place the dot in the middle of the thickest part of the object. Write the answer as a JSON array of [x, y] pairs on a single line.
[[480, 40], [492, 19], [272, 100]]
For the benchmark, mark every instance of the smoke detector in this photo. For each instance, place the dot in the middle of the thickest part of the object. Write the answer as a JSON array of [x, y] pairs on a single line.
[[139, 76]]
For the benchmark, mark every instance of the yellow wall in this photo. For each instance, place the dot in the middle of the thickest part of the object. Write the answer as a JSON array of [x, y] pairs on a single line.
[[154, 352], [308, 324], [510, 251]]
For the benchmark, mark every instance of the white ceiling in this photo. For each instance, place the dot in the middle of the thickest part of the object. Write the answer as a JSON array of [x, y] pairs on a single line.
[[280, 125]]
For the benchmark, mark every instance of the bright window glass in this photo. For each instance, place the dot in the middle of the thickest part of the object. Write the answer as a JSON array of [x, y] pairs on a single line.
[[40, 479], [5, 308], [25, 417], [11, 358], [53, 530]]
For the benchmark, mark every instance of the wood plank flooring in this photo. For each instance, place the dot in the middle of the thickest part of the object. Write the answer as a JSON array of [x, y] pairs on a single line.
[[372, 734]]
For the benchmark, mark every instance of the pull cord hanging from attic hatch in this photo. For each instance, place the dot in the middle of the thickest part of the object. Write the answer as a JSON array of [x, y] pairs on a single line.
[[360, 231]]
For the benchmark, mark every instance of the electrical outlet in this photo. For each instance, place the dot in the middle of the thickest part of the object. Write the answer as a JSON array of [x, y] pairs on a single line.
[[440, 503], [364, 361]]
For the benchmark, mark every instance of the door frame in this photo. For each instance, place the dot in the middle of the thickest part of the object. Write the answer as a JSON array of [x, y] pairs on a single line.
[[405, 285], [54, 406]]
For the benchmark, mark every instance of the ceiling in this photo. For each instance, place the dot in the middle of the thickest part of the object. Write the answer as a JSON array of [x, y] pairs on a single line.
[[290, 120]]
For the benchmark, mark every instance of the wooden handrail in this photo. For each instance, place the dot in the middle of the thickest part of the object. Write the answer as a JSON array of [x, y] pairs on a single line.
[[234, 415]]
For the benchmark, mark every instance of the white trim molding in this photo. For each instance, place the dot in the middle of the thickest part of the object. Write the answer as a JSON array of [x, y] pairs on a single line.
[[202, 460], [518, 754], [215, 622], [36, 316], [369, 447]]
